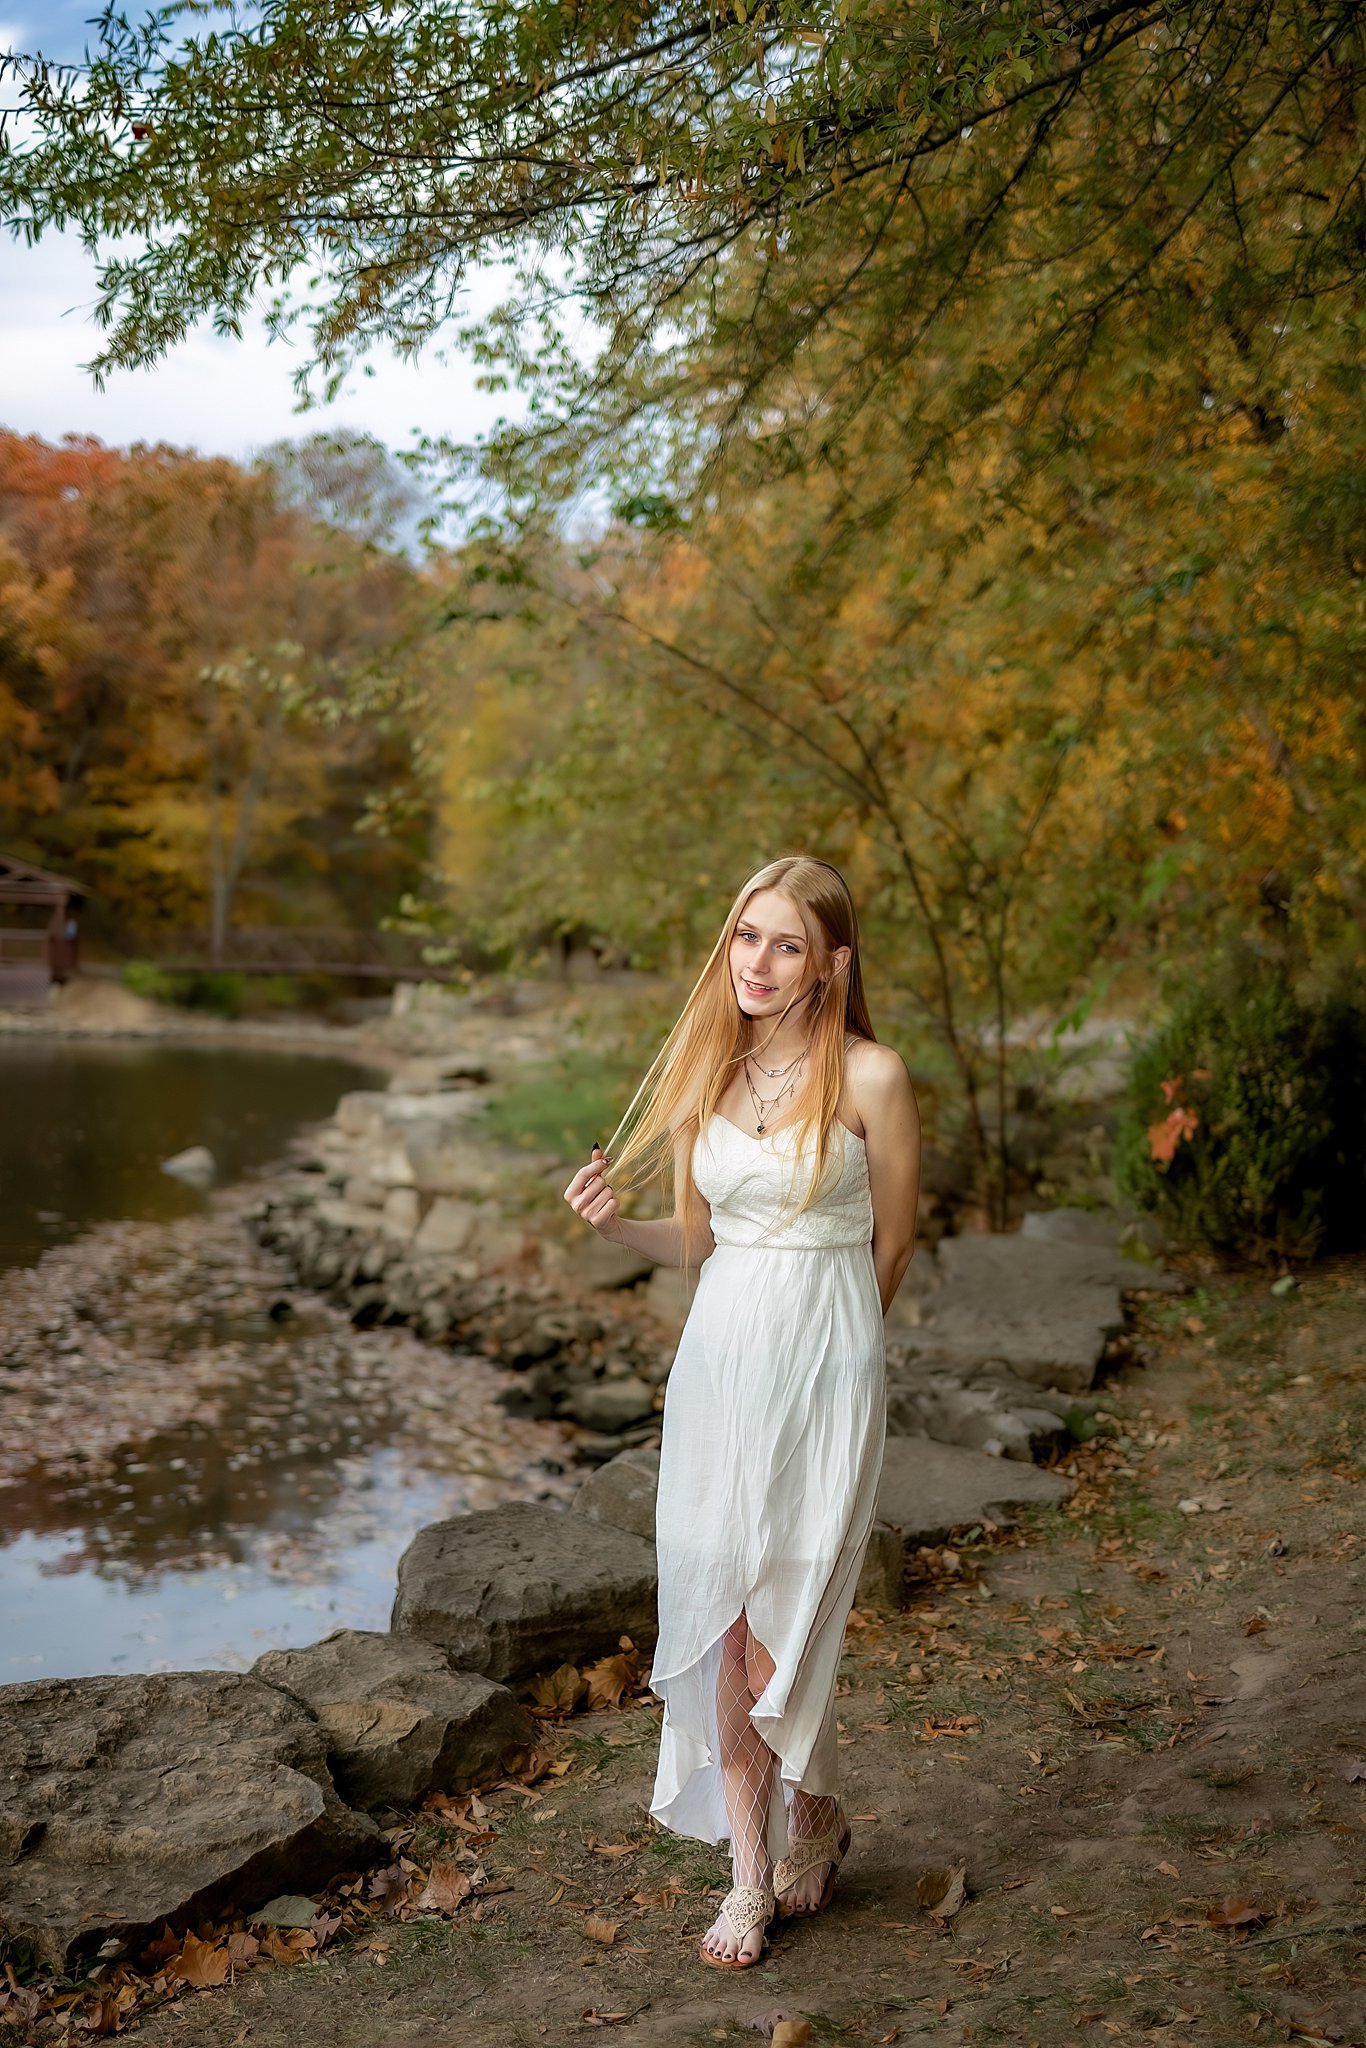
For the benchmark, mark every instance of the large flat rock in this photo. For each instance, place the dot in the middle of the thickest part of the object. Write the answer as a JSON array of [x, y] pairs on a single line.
[[622, 1492], [511, 1590], [928, 1489], [1044, 1310], [129, 1801], [398, 1721]]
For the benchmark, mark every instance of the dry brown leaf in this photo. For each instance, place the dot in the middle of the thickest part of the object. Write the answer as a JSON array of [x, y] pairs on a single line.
[[106, 2015], [446, 1889], [162, 1949], [1169, 1870], [243, 1948], [288, 1944], [390, 1887], [792, 2034], [1233, 1912], [600, 1930], [609, 1848], [560, 1690], [941, 1893], [610, 1679], [200, 1964]]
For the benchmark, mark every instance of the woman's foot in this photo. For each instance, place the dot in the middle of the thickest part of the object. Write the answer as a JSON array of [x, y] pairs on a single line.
[[737, 1936], [810, 1890]]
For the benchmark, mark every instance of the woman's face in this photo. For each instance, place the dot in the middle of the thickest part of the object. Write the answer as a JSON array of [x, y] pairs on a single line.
[[771, 960]]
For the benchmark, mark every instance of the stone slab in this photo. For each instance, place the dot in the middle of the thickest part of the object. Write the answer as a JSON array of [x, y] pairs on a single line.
[[1044, 1310], [399, 1722], [126, 1802], [523, 1587], [928, 1489], [622, 1492]]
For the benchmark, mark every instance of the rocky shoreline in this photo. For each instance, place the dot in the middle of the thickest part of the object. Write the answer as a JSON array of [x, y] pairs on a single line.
[[132, 1803]]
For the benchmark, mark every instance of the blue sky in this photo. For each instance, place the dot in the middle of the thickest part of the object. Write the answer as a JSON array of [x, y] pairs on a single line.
[[221, 397]]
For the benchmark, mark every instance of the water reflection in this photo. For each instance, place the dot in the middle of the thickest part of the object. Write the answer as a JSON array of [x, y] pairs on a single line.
[[200, 1462], [85, 1125]]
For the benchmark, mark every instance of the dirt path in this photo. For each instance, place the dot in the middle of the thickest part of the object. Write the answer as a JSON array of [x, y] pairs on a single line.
[[1140, 1729]]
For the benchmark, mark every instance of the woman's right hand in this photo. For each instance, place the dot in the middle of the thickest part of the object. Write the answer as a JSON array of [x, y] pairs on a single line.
[[589, 1196]]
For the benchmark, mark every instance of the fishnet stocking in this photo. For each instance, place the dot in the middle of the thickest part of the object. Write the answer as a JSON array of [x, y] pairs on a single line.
[[748, 1765], [813, 1813]]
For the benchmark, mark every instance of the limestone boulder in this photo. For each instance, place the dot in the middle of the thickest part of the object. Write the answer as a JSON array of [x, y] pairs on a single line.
[[1044, 1310], [881, 1582], [607, 1404], [596, 1262], [622, 1492], [398, 1721], [448, 1226], [510, 1590], [126, 1802], [928, 1489]]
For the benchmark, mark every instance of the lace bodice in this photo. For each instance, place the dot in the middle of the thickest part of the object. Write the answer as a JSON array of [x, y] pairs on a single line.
[[749, 1182]]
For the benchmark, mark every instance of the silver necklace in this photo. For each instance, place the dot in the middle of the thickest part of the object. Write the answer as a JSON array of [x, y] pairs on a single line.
[[775, 1073], [764, 1110]]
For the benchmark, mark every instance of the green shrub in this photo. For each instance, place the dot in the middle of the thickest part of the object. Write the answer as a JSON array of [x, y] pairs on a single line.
[[1258, 1098], [219, 991], [148, 980]]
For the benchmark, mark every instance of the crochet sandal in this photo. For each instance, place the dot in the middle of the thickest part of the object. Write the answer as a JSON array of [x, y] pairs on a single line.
[[806, 1855], [745, 1907]]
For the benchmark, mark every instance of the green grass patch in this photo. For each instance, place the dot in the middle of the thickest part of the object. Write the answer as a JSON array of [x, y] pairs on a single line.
[[565, 1104]]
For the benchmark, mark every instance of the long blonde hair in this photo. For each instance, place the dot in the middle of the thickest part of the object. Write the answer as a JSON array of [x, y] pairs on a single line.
[[693, 1067]]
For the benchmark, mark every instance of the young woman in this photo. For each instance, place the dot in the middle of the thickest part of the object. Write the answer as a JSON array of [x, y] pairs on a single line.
[[795, 1144]]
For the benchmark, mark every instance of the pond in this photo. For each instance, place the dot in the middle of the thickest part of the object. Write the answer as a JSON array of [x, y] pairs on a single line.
[[86, 1124], [200, 1461]]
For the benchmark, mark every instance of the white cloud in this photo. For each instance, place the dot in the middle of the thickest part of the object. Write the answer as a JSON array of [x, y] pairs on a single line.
[[219, 396]]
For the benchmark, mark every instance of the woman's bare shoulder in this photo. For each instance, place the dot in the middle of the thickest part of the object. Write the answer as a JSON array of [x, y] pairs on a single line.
[[878, 1076]]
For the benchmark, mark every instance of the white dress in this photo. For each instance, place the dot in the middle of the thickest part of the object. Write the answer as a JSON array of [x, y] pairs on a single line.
[[773, 1431]]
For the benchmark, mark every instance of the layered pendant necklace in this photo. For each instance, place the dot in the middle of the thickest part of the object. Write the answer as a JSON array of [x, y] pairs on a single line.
[[764, 1110]]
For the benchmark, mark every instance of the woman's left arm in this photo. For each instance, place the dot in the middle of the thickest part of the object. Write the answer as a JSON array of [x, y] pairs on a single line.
[[885, 1100]]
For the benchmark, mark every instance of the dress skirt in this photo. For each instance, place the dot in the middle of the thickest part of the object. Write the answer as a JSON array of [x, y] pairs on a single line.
[[773, 1431]]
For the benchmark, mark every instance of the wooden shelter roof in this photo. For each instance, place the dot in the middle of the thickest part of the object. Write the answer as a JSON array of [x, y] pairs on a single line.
[[22, 882]]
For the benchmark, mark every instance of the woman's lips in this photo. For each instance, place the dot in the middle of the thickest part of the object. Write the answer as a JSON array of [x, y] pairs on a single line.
[[757, 988]]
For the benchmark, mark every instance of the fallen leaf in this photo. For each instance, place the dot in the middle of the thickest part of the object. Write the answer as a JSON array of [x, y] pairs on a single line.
[[1355, 1774], [610, 1848], [161, 1950], [1169, 1870], [941, 1893], [559, 1691], [289, 1910], [289, 1944], [610, 1679], [199, 1964], [243, 1948], [389, 1887], [1235, 1913], [106, 2015], [445, 1891], [600, 1930], [792, 2034]]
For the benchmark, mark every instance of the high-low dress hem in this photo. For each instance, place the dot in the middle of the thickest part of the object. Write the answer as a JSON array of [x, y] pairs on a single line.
[[773, 1431]]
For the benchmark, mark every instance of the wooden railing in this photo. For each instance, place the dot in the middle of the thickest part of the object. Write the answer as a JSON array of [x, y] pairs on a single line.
[[22, 946], [299, 949]]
